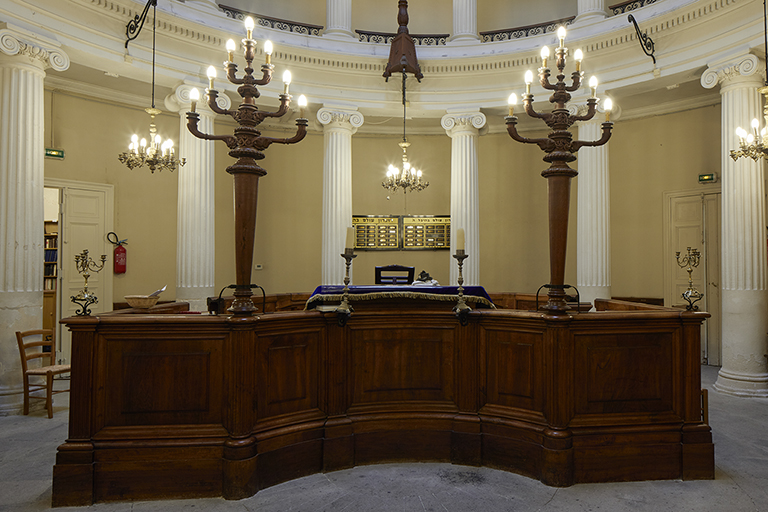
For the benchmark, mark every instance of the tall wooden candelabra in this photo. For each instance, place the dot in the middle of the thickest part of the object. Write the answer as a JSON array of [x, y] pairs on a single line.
[[560, 148], [247, 145]]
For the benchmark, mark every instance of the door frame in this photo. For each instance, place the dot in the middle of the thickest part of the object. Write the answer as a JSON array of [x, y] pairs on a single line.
[[109, 220]]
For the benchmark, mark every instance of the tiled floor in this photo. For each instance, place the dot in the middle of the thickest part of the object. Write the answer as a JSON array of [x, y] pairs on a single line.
[[28, 447]]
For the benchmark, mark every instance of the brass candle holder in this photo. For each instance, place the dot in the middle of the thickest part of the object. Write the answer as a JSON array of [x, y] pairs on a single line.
[[461, 308], [689, 262], [85, 265], [247, 145], [345, 309]]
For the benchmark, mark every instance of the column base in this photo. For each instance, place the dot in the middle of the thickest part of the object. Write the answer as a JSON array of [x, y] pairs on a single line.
[[590, 293], [742, 384], [19, 311], [196, 296]]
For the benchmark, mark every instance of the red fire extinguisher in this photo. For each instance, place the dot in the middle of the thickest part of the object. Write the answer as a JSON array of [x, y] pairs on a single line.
[[120, 252]]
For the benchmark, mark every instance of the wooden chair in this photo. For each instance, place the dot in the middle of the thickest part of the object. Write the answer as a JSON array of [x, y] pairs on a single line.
[[395, 274], [41, 338]]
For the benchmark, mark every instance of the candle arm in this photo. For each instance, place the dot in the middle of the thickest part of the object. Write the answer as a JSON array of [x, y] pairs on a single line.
[[528, 106], [591, 110], [266, 70], [193, 118], [285, 102], [577, 144], [212, 95], [301, 132], [232, 74], [546, 145], [576, 77]]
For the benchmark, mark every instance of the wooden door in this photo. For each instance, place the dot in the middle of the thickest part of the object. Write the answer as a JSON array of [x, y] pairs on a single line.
[[87, 217], [692, 219]]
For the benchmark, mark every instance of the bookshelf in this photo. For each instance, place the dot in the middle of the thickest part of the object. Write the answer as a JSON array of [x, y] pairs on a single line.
[[50, 273]]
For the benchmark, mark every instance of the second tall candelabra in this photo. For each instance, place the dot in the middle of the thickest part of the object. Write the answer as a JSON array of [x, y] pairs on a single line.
[[247, 145], [560, 149]]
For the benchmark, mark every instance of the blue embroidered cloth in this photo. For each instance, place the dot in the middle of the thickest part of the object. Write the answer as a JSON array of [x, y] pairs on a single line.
[[332, 293]]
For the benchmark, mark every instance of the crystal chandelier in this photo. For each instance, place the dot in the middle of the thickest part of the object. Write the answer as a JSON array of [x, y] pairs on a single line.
[[408, 178], [155, 154]]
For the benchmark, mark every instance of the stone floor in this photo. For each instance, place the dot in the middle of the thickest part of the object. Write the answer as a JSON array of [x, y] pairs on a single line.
[[28, 447]]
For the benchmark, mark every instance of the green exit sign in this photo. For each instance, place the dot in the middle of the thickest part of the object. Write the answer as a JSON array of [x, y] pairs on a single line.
[[708, 178], [54, 153]]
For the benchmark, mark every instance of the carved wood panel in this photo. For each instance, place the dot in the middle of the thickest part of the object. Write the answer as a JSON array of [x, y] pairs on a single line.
[[402, 364], [511, 363], [287, 373], [623, 373]]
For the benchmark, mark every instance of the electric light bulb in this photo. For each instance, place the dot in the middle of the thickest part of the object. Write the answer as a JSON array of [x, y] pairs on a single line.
[[512, 100], [406, 166], [755, 123], [302, 105], [286, 81], [134, 138], [528, 81], [143, 143], [249, 24], [211, 76], [741, 132], [194, 97], [158, 139], [418, 173], [593, 85], [231, 49], [561, 36], [268, 51], [544, 56], [608, 106], [750, 138], [579, 56]]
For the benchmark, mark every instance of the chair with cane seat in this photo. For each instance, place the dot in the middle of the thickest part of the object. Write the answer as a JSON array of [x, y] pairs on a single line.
[[28, 350]]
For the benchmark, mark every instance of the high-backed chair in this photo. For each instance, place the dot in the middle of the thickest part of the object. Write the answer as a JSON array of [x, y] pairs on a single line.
[[33, 349], [395, 274]]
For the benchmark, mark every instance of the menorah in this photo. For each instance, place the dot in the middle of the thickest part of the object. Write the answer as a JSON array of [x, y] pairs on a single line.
[[560, 148], [689, 262], [247, 145], [85, 265]]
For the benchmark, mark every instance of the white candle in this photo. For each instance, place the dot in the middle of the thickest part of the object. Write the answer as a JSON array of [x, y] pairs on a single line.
[[350, 243], [460, 239]]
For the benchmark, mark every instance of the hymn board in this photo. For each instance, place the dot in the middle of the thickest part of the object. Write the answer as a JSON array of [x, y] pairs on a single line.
[[394, 232]]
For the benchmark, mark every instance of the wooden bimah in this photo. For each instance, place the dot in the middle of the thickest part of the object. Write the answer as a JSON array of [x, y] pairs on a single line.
[[170, 405]]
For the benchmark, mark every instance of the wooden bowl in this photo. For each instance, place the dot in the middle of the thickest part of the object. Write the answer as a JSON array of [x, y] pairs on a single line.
[[141, 301]]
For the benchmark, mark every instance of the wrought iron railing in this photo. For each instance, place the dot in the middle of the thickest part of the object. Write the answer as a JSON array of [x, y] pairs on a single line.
[[526, 31], [629, 6], [275, 23], [386, 38]]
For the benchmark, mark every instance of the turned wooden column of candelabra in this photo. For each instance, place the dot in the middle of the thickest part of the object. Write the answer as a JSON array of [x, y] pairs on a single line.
[[560, 149], [247, 145]]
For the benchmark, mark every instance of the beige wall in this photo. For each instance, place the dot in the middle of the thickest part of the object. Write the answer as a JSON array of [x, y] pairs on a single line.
[[647, 158]]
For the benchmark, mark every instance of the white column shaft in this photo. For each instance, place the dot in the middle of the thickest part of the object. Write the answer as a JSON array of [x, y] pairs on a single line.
[[744, 291], [196, 243], [592, 10], [464, 20], [23, 60], [339, 19], [339, 126], [463, 128], [593, 237]]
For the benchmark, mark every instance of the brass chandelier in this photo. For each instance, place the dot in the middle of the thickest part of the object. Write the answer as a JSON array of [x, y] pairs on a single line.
[[755, 145], [408, 177], [155, 154]]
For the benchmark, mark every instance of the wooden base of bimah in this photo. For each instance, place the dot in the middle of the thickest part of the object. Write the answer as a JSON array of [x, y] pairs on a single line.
[[178, 406]]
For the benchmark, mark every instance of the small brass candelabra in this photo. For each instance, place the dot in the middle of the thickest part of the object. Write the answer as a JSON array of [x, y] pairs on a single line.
[[247, 145], [85, 265], [345, 309], [560, 149], [689, 262], [461, 308]]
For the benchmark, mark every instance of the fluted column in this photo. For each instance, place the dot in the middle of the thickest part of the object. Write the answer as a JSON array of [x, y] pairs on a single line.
[[744, 295], [463, 128], [590, 10], [464, 21], [195, 240], [593, 235], [338, 15], [339, 124], [24, 57]]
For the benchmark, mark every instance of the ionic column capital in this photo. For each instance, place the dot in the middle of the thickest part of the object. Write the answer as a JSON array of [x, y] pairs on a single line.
[[468, 123], [732, 69], [178, 100], [344, 118], [46, 52]]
